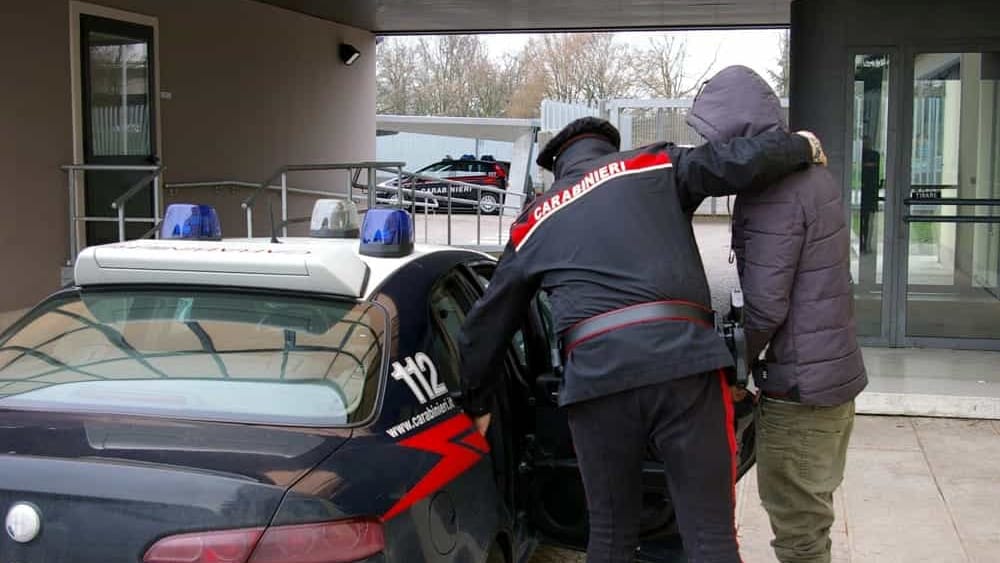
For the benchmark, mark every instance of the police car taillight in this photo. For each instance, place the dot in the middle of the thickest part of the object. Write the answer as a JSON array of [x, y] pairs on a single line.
[[190, 221], [387, 233], [203, 547], [334, 218], [329, 542]]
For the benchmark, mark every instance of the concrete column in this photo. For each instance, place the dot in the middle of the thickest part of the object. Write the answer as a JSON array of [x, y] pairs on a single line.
[[819, 65]]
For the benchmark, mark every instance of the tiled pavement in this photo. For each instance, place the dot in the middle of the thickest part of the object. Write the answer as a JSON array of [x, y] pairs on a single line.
[[916, 490]]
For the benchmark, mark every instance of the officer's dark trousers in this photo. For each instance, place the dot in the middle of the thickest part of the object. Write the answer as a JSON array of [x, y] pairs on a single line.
[[687, 422]]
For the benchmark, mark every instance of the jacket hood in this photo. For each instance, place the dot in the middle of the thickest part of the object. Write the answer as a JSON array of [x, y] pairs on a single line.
[[736, 102]]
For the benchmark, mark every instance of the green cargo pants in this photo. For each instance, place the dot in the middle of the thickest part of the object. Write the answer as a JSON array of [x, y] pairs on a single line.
[[801, 452]]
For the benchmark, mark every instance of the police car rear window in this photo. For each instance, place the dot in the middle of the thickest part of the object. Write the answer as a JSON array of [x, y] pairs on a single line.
[[200, 355]]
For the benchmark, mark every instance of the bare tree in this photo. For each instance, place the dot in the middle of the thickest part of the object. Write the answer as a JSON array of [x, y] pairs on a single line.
[[662, 68], [455, 75], [780, 75], [528, 88], [443, 64], [579, 67], [493, 83], [395, 77], [448, 75]]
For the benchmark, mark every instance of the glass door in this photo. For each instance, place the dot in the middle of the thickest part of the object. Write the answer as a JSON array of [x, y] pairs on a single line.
[[951, 210], [118, 119], [867, 185]]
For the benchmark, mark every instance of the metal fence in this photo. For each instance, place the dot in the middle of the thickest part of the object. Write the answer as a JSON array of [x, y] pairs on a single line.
[[645, 121], [555, 115]]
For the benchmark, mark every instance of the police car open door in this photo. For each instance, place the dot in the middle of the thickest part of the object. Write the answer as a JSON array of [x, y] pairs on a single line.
[[557, 503], [550, 491]]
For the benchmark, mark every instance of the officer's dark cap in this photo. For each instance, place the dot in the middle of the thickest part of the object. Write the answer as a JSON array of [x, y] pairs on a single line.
[[583, 127]]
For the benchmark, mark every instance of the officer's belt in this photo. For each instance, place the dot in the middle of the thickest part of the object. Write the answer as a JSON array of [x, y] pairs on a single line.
[[636, 314]]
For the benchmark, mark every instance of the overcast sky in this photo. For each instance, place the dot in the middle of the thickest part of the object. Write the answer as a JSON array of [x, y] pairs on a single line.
[[757, 49]]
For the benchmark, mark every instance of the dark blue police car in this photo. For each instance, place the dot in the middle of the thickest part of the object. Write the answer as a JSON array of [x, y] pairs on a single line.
[[246, 401]]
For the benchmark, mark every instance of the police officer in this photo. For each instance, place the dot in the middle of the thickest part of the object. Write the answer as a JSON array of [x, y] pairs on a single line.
[[612, 244]]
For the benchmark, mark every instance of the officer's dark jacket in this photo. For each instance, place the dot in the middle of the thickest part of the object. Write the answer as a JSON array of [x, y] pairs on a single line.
[[615, 230], [793, 252]]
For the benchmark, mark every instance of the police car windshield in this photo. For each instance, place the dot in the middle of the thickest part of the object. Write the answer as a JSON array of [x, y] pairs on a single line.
[[197, 354], [439, 169]]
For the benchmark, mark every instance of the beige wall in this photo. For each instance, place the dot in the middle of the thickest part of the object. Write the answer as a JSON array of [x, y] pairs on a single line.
[[8, 318], [253, 87], [35, 138]]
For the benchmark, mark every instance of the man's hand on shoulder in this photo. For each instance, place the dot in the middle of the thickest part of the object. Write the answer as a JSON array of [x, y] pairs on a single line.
[[819, 156]]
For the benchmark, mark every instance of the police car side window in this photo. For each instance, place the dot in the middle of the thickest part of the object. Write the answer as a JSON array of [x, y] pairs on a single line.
[[483, 273], [448, 308]]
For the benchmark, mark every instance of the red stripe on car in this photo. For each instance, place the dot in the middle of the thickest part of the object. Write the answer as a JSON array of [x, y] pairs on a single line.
[[456, 458]]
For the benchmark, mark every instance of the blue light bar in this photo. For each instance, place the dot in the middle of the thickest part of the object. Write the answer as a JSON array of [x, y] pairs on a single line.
[[191, 221], [387, 233]]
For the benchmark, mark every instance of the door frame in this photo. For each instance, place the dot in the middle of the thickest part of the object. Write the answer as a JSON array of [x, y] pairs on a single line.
[[77, 9], [887, 326], [904, 162]]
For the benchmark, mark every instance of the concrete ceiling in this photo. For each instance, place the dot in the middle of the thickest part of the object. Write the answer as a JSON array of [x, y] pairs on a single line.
[[471, 16]]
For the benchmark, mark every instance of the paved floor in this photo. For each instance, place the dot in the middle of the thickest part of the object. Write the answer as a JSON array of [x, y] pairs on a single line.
[[932, 382], [916, 490]]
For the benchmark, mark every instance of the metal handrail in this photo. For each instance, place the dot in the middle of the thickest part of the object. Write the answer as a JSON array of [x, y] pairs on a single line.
[[986, 202], [412, 198], [253, 185], [153, 178], [242, 184], [428, 203], [116, 167], [121, 200], [449, 200], [408, 197], [318, 168], [955, 201], [155, 171], [951, 219], [282, 175]]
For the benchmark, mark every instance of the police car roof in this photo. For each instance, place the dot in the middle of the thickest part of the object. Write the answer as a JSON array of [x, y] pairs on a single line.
[[316, 265]]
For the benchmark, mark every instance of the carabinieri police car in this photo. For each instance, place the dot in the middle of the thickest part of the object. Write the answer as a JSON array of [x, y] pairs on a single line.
[[198, 400]]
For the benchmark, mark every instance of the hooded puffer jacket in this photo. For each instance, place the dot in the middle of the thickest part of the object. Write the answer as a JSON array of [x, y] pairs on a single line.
[[793, 255]]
